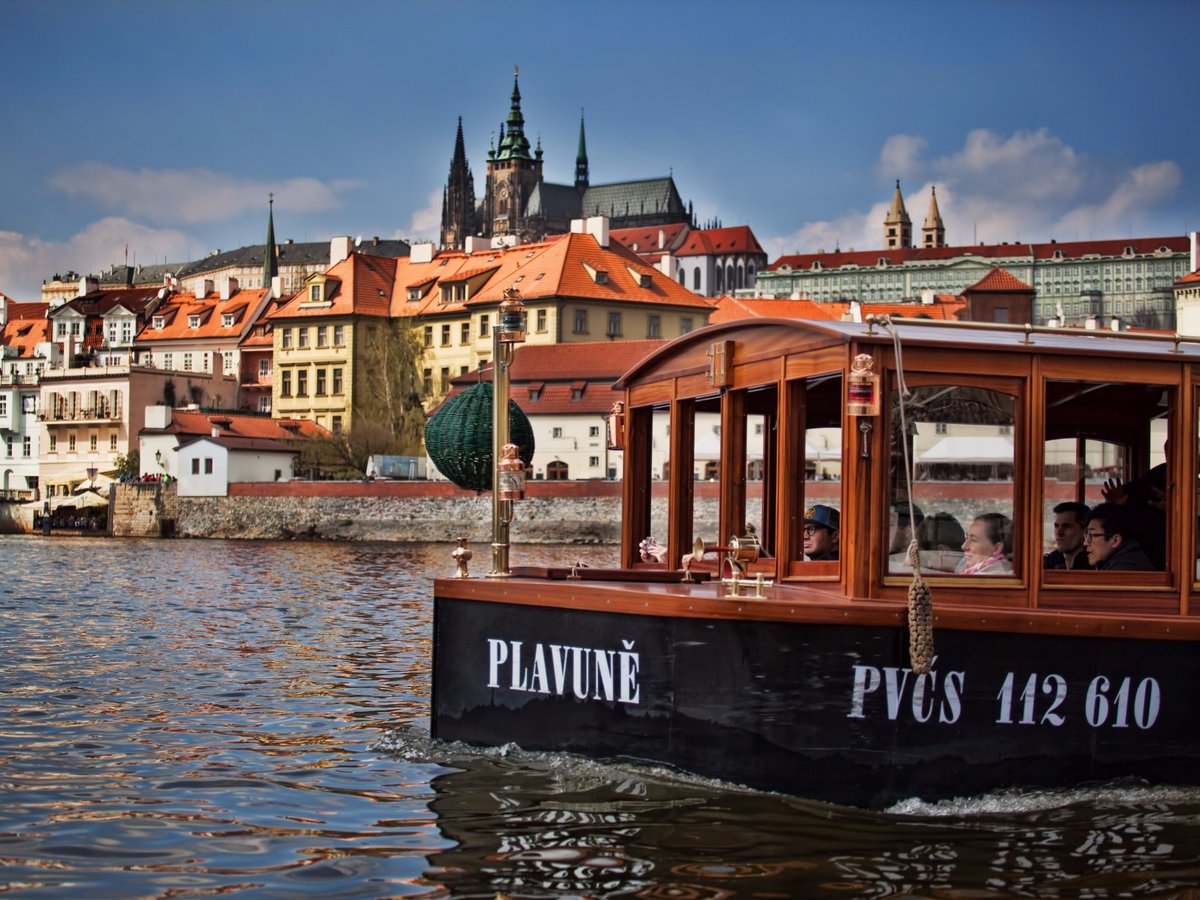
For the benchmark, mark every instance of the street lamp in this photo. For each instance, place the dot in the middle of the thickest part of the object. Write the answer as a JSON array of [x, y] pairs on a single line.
[[508, 472]]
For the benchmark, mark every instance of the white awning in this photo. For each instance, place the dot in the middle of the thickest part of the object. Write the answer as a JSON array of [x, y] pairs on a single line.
[[981, 450]]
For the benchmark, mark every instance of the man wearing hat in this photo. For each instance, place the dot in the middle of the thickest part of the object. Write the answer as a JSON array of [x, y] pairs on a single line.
[[821, 533]]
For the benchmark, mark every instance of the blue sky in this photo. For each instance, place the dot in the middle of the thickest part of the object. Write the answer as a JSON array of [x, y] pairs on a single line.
[[164, 125]]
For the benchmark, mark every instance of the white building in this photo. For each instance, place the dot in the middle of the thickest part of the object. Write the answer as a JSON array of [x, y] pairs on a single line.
[[208, 464]]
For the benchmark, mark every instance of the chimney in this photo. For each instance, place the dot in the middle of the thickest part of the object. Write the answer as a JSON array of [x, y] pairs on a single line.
[[229, 287], [927, 297], [662, 239], [421, 253], [3, 310], [87, 284], [476, 244], [204, 288], [339, 249], [1194, 238], [666, 265], [597, 227], [276, 286], [216, 432]]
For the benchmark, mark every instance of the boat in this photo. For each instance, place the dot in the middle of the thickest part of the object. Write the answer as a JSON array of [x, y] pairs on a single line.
[[893, 671]]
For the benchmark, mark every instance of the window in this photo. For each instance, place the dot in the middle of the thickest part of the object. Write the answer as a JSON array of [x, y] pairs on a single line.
[[335, 425], [556, 432], [427, 381], [285, 339], [193, 321], [445, 380], [27, 446], [339, 332], [315, 293], [464, 336], [322, 335], [581, 321], [168, 360], [285, 383], [187, 362], [93, 442], [428, 336], [337, 382], [264, 404], [227, 320], [685, 324], [196, 466], [974, 534], [302, 338], [157, 323], [227, 361], [112, 442], [302, 382], [483, 326], [541, 320], [320, 382], [70, 444], [593, 431], [9, 443], [653, 326], [264, 368], [3, 404], [53, 443], [593, 462], [614, 325], [208, 465], [556, 471], [445, 335]]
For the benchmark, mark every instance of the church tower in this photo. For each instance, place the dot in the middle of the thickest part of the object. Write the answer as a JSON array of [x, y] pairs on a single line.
[[271, 256], [512, 174], [933, 233], [581, 163], [458, 199], [897, 226]]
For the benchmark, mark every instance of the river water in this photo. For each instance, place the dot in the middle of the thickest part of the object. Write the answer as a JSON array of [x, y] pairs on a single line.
[[192, 718]]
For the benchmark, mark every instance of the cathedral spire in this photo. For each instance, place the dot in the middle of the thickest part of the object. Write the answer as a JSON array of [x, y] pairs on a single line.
[[581, 160], [515, 145], [933, 233], [271, 256], [897, 226], [458, 198]]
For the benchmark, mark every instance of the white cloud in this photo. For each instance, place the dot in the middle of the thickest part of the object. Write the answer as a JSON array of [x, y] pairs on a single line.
[[25, 262], [190, 196], [426, 223], [1027, 186]]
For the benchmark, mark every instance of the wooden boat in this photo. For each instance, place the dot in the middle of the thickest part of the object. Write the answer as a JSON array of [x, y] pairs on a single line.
[[797, 676]]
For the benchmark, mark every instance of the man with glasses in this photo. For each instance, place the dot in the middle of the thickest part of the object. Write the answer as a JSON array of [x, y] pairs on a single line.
[[821, 533], [1110, 543]]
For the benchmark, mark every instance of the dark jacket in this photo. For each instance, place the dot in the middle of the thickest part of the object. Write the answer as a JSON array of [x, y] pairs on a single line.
[[1128, 558], [1055, 560]]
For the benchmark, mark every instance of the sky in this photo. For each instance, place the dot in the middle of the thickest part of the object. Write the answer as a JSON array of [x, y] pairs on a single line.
[[159, 129]]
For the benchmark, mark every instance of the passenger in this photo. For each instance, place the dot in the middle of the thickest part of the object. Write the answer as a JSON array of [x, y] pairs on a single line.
[[940, 531], [1070, 525], [987, 546], [899, 527], [821, 533], [1110, 543], [1145, 501]]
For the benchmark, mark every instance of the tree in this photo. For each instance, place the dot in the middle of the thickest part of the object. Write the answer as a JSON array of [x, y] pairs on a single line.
[[127, 465], [387, 416]]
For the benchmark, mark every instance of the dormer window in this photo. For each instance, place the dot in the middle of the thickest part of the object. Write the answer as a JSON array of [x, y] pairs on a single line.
[[316, 293], [817, 266], [600, 276], [414, 293], [1058, 254], [158, 323], [193, 321], [227, 320]]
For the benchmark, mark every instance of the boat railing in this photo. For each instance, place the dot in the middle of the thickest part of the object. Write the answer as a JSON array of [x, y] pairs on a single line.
[[1014, 328]]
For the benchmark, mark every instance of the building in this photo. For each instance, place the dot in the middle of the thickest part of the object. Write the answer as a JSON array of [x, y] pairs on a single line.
[[577, 288], [519, 205], [27, 352], [208, 464], [89, 416], [1130, 280], [99, 327], [166, 430], [708, 261], [202, 331], [1187, 293], [257, 356]]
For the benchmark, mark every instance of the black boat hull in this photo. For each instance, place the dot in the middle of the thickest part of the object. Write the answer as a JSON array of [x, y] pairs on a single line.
[[825, 711]]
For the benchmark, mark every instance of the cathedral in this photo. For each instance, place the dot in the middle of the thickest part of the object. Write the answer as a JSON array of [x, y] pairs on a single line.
[[518, 203]]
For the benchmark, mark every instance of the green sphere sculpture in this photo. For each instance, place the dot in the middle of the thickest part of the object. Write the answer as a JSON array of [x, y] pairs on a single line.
[[458, 438]]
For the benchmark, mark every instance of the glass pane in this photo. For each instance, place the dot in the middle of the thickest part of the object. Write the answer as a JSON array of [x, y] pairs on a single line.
[[823, 466], [960, 447]]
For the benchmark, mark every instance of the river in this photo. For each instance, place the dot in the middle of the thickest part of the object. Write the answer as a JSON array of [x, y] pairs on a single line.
[[192, 718]]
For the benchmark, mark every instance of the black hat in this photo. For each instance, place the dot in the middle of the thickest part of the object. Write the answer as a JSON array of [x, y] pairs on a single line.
[[825, 516]]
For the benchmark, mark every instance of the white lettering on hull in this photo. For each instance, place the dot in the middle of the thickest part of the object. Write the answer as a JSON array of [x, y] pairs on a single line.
[[587, 673]]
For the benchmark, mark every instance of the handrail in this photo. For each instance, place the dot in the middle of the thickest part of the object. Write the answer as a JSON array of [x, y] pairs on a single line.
[[1175, 338]]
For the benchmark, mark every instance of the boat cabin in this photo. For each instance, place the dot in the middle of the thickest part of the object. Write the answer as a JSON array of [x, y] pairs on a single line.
[[929, 426]]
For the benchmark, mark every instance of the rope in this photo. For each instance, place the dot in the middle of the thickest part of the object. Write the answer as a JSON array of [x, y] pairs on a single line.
[[920, 597]]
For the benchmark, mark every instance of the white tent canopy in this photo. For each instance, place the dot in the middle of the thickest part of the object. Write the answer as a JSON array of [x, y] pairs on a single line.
[[709, 447], [976, 450]]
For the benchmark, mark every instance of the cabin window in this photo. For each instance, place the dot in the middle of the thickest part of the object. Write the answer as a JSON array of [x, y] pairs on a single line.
[[962, 509], [1105, 442]]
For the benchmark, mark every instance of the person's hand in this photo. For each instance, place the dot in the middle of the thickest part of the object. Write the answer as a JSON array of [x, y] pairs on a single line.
[[1113, 491]]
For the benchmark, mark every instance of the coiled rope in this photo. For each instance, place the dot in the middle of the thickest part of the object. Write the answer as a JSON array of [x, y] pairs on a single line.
[[920, 597]]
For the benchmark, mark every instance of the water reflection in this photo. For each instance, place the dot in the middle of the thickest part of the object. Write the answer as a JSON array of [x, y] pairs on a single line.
[[188, 718]]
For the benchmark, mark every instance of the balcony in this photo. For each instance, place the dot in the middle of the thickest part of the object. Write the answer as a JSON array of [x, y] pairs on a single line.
[[88, 414]]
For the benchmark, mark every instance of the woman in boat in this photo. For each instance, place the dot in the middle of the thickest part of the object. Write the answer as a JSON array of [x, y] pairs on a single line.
[[987, 546]]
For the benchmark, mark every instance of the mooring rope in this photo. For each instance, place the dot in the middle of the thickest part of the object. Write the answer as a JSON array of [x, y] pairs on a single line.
[[920, 597]]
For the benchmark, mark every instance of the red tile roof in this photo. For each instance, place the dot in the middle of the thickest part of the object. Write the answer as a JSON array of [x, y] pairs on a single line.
[[27, 327], [731, 308], [361, 285], [650, 238], [189, 423], [718, 241], [178, 309], [1001, 281], [1070, 250]]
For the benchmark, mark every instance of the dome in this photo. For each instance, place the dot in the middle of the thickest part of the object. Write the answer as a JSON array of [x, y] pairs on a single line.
[[458, 437]]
